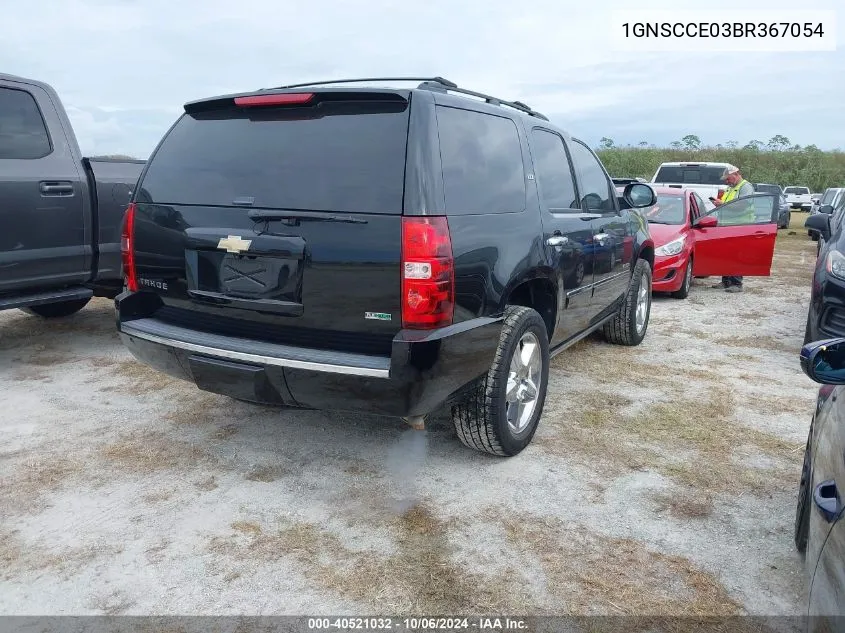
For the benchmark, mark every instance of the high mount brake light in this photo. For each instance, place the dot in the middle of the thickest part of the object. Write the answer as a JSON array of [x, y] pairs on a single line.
[[127, 249], [297, 98], [428, 273]]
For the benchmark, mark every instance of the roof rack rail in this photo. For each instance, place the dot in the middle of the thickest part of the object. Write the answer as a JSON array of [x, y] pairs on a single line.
[[438, 80], [428, 83], [518, 105]]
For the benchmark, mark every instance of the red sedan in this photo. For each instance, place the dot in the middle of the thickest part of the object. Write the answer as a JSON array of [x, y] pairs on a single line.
[[692, 239]]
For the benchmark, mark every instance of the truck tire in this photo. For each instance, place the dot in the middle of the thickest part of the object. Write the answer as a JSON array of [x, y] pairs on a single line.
[[57, 310], [628, 326], [500, 414]]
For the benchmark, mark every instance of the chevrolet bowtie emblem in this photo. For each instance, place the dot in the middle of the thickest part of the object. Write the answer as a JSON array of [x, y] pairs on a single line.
[[234, 244]]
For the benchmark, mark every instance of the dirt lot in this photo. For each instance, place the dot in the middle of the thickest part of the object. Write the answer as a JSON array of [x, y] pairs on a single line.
[[662, 480]]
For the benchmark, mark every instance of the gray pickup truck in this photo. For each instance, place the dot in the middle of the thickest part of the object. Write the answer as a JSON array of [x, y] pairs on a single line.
[[61, 214]]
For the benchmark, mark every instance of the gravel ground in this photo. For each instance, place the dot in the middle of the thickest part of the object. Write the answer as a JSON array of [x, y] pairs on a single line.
[[662, 481]]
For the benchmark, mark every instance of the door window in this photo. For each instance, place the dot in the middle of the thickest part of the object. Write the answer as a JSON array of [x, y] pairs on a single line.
[[596, 187], [23, 134], [554, 171], [758, 209]]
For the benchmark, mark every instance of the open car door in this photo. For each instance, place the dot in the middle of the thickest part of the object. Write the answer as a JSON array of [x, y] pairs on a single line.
[[737, 238]]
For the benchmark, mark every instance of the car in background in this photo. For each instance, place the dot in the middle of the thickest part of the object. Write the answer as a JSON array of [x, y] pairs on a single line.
[[60, 211], [831, 196], [798, 197], [703, 178], [785, 214], [819, 529], [831, 199], [693, 241]]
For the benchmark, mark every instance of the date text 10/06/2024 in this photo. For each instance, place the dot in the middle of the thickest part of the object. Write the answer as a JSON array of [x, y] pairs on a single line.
[[417, 624], [722, 29]]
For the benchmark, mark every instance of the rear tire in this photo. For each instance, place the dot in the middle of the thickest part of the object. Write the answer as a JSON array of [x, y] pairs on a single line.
[[57, 310], [629, 325], [500, 414], [683, 291]]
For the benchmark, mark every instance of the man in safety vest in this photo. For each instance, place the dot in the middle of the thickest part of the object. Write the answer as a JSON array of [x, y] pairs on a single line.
[[738, 187]]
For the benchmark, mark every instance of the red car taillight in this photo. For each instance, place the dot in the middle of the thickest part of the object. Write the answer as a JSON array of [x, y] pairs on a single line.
[[428, 273], [127, 249]]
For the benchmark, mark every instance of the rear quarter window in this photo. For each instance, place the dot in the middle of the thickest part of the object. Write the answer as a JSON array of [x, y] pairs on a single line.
[[481, 155]]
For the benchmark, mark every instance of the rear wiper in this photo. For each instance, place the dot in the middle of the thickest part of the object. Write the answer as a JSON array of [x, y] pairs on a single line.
[[292, 218]]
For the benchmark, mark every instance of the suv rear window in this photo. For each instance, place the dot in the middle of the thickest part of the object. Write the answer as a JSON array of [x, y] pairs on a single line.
[[767, 189], [482, 163], [691, 175], [797, 190], [339, 156]]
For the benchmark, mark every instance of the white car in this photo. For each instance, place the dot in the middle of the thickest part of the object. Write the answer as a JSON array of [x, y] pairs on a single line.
[[798, 197]]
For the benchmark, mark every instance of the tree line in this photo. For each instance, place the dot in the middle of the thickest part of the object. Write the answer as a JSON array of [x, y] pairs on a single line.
[[777, 161]]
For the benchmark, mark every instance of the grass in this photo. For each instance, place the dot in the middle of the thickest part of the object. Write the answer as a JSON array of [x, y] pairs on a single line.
[[689, 439], [151, 451], [138, 379]]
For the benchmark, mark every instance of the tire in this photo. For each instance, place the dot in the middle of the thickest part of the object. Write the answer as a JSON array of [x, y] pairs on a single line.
[[683, 291], [623, 328], [57, 310], [801, 530], [481, 419]]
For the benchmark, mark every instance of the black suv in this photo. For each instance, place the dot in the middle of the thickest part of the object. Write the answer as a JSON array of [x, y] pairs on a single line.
[[391, 251]]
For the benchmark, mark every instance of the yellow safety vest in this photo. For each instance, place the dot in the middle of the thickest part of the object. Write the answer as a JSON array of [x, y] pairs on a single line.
[[730, 194], [738, 216]]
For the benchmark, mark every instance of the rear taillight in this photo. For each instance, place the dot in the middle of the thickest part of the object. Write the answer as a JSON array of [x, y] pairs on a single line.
[[127, 249], [428, 273]]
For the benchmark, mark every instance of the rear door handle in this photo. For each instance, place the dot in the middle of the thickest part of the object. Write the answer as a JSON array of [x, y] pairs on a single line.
[[56, 188], [826, 498]]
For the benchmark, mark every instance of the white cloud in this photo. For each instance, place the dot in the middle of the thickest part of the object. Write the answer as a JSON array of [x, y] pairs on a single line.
[[127, 66]]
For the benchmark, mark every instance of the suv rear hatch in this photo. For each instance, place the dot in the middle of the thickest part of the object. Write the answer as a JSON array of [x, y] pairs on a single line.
[[278, 217]]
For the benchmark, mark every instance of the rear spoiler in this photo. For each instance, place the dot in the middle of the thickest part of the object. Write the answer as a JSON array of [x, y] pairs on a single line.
[[296, 99]]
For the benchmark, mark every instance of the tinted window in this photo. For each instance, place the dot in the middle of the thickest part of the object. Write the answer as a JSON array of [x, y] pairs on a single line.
[[797, 190], [554, 174], [767, 188], [481, 155], [691, 174], [828, 196], [339, 156], [595, 185], [22, 130]]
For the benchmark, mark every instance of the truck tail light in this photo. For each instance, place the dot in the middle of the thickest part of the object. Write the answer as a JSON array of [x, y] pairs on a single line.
[[127, 249], [428, 273]]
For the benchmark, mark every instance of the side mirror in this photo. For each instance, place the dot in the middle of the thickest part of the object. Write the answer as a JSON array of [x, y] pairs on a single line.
[[820, 223], [824, 361], [706, 222], [828, 208], [639, 195]]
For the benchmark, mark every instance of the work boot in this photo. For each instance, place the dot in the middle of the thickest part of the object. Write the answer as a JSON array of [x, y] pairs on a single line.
[[719, 286], [733, 289]]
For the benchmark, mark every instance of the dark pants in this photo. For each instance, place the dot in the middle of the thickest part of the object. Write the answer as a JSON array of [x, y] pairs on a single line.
[[732, 281]]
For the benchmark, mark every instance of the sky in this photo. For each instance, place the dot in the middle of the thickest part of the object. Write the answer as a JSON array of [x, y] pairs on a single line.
[[124, 68]]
